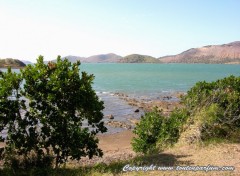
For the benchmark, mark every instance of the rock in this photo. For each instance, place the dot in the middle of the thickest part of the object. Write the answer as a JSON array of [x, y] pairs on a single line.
[[119, 124], [110, 116], [134, 121], [129, 127], [137, 110], [167, 97]]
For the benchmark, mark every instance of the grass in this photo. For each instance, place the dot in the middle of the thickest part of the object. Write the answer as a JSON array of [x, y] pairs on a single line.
[[216, 155], [114, 168]]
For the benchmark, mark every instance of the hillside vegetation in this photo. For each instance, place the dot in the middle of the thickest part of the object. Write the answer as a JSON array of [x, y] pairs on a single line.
[[100, 58], [211, 111], [9, 62], [137, 58]]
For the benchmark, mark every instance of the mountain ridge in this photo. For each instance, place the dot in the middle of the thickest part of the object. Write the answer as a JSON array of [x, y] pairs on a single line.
[[210, 54], [218, 54]]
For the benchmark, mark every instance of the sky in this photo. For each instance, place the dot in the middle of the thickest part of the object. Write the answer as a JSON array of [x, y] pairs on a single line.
[[29, 28]]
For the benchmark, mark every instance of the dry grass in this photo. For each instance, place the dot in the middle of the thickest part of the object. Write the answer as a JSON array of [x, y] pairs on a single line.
[[115, 147]]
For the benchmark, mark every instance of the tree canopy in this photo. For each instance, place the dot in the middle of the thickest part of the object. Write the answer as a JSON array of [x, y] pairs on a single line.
[[50, 109]]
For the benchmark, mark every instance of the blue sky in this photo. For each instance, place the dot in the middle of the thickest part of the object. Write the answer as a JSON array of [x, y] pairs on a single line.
[[29, 28]]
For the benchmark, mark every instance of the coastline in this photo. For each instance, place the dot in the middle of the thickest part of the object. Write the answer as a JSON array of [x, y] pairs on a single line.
[[131, 108], [116, 146]]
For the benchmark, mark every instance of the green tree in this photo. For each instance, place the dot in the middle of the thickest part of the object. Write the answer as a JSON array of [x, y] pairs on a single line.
[[56, 110]]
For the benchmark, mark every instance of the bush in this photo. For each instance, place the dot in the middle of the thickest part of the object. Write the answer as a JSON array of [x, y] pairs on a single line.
[[29, 162], [211, 111], [147, 131], [216, 106], [156, 131]]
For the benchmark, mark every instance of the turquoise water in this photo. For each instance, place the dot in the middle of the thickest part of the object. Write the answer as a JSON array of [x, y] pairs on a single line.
[[146, 82], [152, 79]]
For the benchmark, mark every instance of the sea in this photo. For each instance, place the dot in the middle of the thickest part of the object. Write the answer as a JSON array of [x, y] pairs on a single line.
[[146, 82]]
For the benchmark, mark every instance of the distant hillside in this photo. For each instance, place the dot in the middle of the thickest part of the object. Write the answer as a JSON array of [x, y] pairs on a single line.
[[9, 62], [220, 54], [137, 58], [74, 58], [26, 62], [103, 58], [226, 53]]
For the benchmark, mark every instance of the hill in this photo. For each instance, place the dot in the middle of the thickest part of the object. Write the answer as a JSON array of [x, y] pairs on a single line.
[[100, 58], [103, 58], [74, 58], [9, 62], [137, 58], [220, 54], [26, 62], [210, 54]]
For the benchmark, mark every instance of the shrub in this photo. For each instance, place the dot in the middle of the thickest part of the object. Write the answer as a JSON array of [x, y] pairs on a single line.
[[210, 111], [156, 131], [147, 132], [216, 106]]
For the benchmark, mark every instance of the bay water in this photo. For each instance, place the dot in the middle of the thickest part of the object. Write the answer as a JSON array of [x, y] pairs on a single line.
[[147, 81], [151, 79]]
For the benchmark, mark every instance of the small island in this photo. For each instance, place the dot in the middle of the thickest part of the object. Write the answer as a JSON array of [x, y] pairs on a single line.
[[13, 63]]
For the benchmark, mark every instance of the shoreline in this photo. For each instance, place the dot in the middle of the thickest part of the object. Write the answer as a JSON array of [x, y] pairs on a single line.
[[165, 101], [116, 146], [138, 106]]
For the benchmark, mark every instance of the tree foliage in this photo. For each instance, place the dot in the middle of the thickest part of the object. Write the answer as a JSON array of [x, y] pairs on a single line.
[[56, 110]]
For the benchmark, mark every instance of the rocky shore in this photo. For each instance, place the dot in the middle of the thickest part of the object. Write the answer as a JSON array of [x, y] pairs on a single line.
[[166, 103], [117, 146]]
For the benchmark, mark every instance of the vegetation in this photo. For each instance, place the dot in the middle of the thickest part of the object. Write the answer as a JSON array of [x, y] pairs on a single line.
[[211, 111], [114, 168], [215, 108], [137, 58], [156, 131], [14, 63], [44, 118]]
